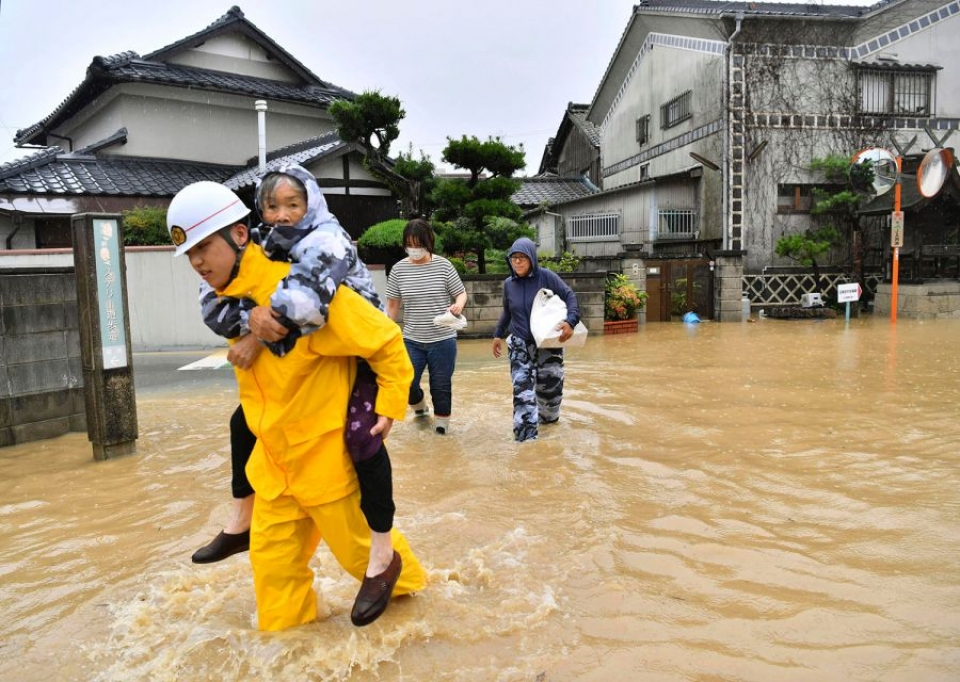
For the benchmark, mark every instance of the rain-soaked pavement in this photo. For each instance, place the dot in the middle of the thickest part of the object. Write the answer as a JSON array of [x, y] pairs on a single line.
[[776, 500]]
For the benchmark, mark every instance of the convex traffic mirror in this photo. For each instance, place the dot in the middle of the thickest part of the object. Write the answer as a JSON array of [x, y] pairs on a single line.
[[873, 171], [934, 171]]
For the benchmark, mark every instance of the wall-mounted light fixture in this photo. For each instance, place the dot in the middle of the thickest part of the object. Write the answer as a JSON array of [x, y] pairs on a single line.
[[705, 161], [756, 151]]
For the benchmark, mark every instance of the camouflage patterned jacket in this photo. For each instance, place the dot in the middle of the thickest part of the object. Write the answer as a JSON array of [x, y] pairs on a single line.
[[322, 257]]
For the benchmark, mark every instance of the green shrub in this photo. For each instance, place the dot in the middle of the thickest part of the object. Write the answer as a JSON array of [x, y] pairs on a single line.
[[145, 226], [389, 234], [383, 235], [458, 264], [568, 262], [621, 299]]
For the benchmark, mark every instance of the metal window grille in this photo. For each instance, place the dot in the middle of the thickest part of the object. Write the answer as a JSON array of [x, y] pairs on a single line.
[[594, 227], [677, 223], [895, 91], [676, 110], [643, 129]]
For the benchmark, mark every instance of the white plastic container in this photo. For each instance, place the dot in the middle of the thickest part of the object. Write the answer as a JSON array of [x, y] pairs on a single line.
[[744, 308]]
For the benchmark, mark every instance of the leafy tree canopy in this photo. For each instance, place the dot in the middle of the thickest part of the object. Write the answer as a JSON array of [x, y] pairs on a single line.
[[371, 115], [373, 121]]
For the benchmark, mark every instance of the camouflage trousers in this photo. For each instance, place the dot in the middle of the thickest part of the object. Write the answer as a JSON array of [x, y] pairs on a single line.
[[537, 375]]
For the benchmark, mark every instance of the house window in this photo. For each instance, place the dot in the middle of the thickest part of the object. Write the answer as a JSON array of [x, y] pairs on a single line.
[[898, 91], [594, 227], [801, 198], [675, 111], [677, 223], [643, 129], [645, 171]]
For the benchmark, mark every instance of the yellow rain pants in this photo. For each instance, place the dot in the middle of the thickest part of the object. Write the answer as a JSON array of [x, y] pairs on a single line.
[[283, 538]]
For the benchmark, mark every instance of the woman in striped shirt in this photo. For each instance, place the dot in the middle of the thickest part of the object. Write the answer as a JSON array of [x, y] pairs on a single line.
[[427, 285]]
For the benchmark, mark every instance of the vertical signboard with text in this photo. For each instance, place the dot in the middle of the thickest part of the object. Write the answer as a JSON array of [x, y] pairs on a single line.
[[113, 339], [105, 352]]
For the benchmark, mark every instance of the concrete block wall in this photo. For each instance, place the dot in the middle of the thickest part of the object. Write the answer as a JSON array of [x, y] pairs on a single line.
[[485, 301], [729, 291], [41, 381]]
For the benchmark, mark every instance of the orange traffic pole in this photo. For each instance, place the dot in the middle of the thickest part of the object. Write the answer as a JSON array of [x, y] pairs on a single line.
[[896, 251]]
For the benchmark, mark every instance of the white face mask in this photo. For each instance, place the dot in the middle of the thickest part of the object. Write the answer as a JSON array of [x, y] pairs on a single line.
[[416, 253]]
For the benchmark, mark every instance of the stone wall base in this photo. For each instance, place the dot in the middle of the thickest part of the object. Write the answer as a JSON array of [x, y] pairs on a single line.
[[928, 301]]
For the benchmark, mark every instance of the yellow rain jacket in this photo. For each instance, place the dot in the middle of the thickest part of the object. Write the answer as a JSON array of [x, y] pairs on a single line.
[[297, 405]]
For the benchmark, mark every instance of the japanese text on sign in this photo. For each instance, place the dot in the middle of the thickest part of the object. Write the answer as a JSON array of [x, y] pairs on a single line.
[[110, 298], [896, 229]]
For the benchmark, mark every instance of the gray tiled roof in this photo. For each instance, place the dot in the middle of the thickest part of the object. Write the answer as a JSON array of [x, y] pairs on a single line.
[[128, 67], [51, 172], [234, 20], [578, 114], [301, 153], [575, 115], [552, 190], [810, 9]]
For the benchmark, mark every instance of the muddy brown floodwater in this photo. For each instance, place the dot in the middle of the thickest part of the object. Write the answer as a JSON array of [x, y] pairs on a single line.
[[778, 500]]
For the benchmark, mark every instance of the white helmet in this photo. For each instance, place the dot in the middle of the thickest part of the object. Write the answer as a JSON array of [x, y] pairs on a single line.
[[199, 210]]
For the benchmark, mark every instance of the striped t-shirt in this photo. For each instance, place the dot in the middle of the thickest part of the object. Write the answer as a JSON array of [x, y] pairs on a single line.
[[425, 290]]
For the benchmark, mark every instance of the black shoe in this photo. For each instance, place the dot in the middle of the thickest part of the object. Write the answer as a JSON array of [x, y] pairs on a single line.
[[221, 547], [374, 594]]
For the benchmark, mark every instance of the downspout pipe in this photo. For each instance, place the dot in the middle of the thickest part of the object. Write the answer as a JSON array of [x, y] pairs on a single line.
[[61, 137], [563, 230], [725, 143], [261, 107]]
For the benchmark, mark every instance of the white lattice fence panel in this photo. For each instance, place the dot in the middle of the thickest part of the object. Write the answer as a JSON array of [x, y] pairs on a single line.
[[786, 289]]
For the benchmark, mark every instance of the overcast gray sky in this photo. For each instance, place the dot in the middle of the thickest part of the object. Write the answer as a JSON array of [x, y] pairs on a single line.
[[497, 67]]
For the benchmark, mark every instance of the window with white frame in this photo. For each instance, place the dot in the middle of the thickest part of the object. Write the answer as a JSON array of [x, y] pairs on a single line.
[[594, 227], [901, 91], [643, 129], [676, 110], [677, 223]]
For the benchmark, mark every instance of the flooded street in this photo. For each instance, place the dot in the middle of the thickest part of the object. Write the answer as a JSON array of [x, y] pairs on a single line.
[[777, 500]]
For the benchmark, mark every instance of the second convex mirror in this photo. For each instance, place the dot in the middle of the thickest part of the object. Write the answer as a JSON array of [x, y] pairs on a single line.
[[873, 171], [934, 171]]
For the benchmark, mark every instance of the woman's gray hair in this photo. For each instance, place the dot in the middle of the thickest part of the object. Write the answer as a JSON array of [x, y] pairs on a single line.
[[272, 181]]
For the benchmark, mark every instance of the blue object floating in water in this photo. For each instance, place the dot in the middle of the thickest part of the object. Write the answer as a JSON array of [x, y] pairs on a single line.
[[691, 318]]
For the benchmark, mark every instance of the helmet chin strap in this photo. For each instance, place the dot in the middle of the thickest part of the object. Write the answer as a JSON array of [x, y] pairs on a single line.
[[237, 251]]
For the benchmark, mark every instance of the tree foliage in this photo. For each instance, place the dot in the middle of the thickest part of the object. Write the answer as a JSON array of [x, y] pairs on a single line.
[[372, 120], [145, 226], [371, 115], [834, 211], [479, 207]]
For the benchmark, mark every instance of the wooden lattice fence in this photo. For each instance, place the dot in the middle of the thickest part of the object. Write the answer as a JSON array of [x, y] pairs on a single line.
[[786, 288]]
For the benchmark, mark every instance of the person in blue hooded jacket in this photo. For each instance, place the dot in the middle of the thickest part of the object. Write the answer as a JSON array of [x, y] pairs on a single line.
[[537, 373]]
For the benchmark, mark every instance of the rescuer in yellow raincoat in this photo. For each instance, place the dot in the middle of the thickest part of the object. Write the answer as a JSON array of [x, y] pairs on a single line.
[[306, 485]]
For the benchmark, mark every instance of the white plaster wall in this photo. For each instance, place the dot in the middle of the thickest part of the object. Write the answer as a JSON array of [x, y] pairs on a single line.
[[24, 238], [171, 123], [663, 74], [234, 53]]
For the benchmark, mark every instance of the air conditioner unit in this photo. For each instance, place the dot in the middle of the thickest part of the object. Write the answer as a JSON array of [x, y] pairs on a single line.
[[811, 301]]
